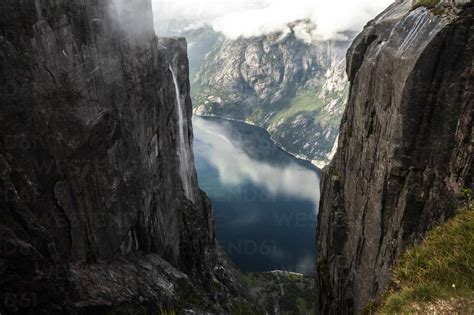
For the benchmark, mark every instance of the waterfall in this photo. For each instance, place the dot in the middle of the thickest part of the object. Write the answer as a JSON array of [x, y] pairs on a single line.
[[183, 144]]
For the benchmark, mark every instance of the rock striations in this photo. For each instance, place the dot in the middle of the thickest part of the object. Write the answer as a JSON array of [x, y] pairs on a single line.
[[93, 213], [405, 147]]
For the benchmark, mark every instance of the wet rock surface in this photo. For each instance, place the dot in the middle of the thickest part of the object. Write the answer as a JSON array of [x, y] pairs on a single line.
[[93, 214], [405, 148]]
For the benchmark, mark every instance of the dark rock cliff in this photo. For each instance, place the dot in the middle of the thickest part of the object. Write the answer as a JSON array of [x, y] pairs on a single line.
[[405, 148], [93, 213]]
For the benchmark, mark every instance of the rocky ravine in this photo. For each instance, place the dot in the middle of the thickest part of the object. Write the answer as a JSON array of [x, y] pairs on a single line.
[[286, 82], [405, 147], [93, 213]]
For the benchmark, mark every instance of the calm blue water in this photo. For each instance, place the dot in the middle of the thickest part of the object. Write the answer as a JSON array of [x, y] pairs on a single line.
[[265, 201]]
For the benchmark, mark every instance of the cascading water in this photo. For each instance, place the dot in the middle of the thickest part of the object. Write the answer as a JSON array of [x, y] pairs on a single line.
[[183, 144]]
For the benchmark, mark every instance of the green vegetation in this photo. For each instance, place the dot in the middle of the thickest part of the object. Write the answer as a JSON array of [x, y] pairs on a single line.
[[245, 308], [292, 293], [466, 196], [334, 173], [305, 102], [255, 116], [439, 272], [439, 11], [425, 3], [310, 102]]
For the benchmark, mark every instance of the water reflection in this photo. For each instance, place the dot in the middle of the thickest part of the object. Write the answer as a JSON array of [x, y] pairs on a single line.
[[265, 201]]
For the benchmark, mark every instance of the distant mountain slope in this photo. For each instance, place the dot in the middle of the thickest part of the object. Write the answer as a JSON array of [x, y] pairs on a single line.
[[201, 42], [289, 84]]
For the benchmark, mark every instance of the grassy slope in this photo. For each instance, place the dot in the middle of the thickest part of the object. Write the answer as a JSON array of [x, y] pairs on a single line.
[[307, 101], [438, 274]]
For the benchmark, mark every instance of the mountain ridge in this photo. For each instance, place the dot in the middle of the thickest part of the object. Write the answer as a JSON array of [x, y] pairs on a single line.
[[283, 82]]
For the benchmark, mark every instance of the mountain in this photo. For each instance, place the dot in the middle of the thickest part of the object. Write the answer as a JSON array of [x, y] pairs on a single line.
[[405, 149], [100, 206], [201, 39], [287, 82]]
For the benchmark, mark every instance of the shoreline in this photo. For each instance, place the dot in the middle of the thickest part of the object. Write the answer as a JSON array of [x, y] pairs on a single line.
[[300, 157]]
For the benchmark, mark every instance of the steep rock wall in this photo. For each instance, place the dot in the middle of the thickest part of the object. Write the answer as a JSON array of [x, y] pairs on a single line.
[[405, 148], [93, 210]]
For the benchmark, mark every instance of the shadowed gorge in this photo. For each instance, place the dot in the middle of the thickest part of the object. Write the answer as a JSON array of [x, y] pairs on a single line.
[[265, 201], [115, 200]]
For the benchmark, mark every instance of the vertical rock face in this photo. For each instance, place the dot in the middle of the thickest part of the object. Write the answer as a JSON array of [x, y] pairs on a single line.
[[93, 211], [405, 148]]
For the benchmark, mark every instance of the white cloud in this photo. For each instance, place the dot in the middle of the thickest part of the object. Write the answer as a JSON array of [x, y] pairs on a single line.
[[249, 18], [235, 166]]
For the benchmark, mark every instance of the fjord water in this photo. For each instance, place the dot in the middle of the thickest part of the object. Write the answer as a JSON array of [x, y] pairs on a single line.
[[265, 200]]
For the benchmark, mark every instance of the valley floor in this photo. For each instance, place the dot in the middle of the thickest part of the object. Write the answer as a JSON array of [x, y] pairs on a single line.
[[281, 292]]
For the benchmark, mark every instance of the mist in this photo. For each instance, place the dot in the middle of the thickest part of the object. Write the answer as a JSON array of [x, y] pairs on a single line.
[[235, 166], [247, 18]]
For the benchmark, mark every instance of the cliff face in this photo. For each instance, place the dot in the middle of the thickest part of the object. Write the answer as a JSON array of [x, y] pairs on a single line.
[[94, 215], [286, 82], [405, 148]]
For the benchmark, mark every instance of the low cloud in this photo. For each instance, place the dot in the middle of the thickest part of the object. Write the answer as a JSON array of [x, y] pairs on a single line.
[[247, 18], [235, 166]]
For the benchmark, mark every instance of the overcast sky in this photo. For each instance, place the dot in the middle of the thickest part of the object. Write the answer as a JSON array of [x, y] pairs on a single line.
[[248, 18]]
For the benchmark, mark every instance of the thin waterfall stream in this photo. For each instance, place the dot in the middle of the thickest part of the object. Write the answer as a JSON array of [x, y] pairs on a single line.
[[183, 144]]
